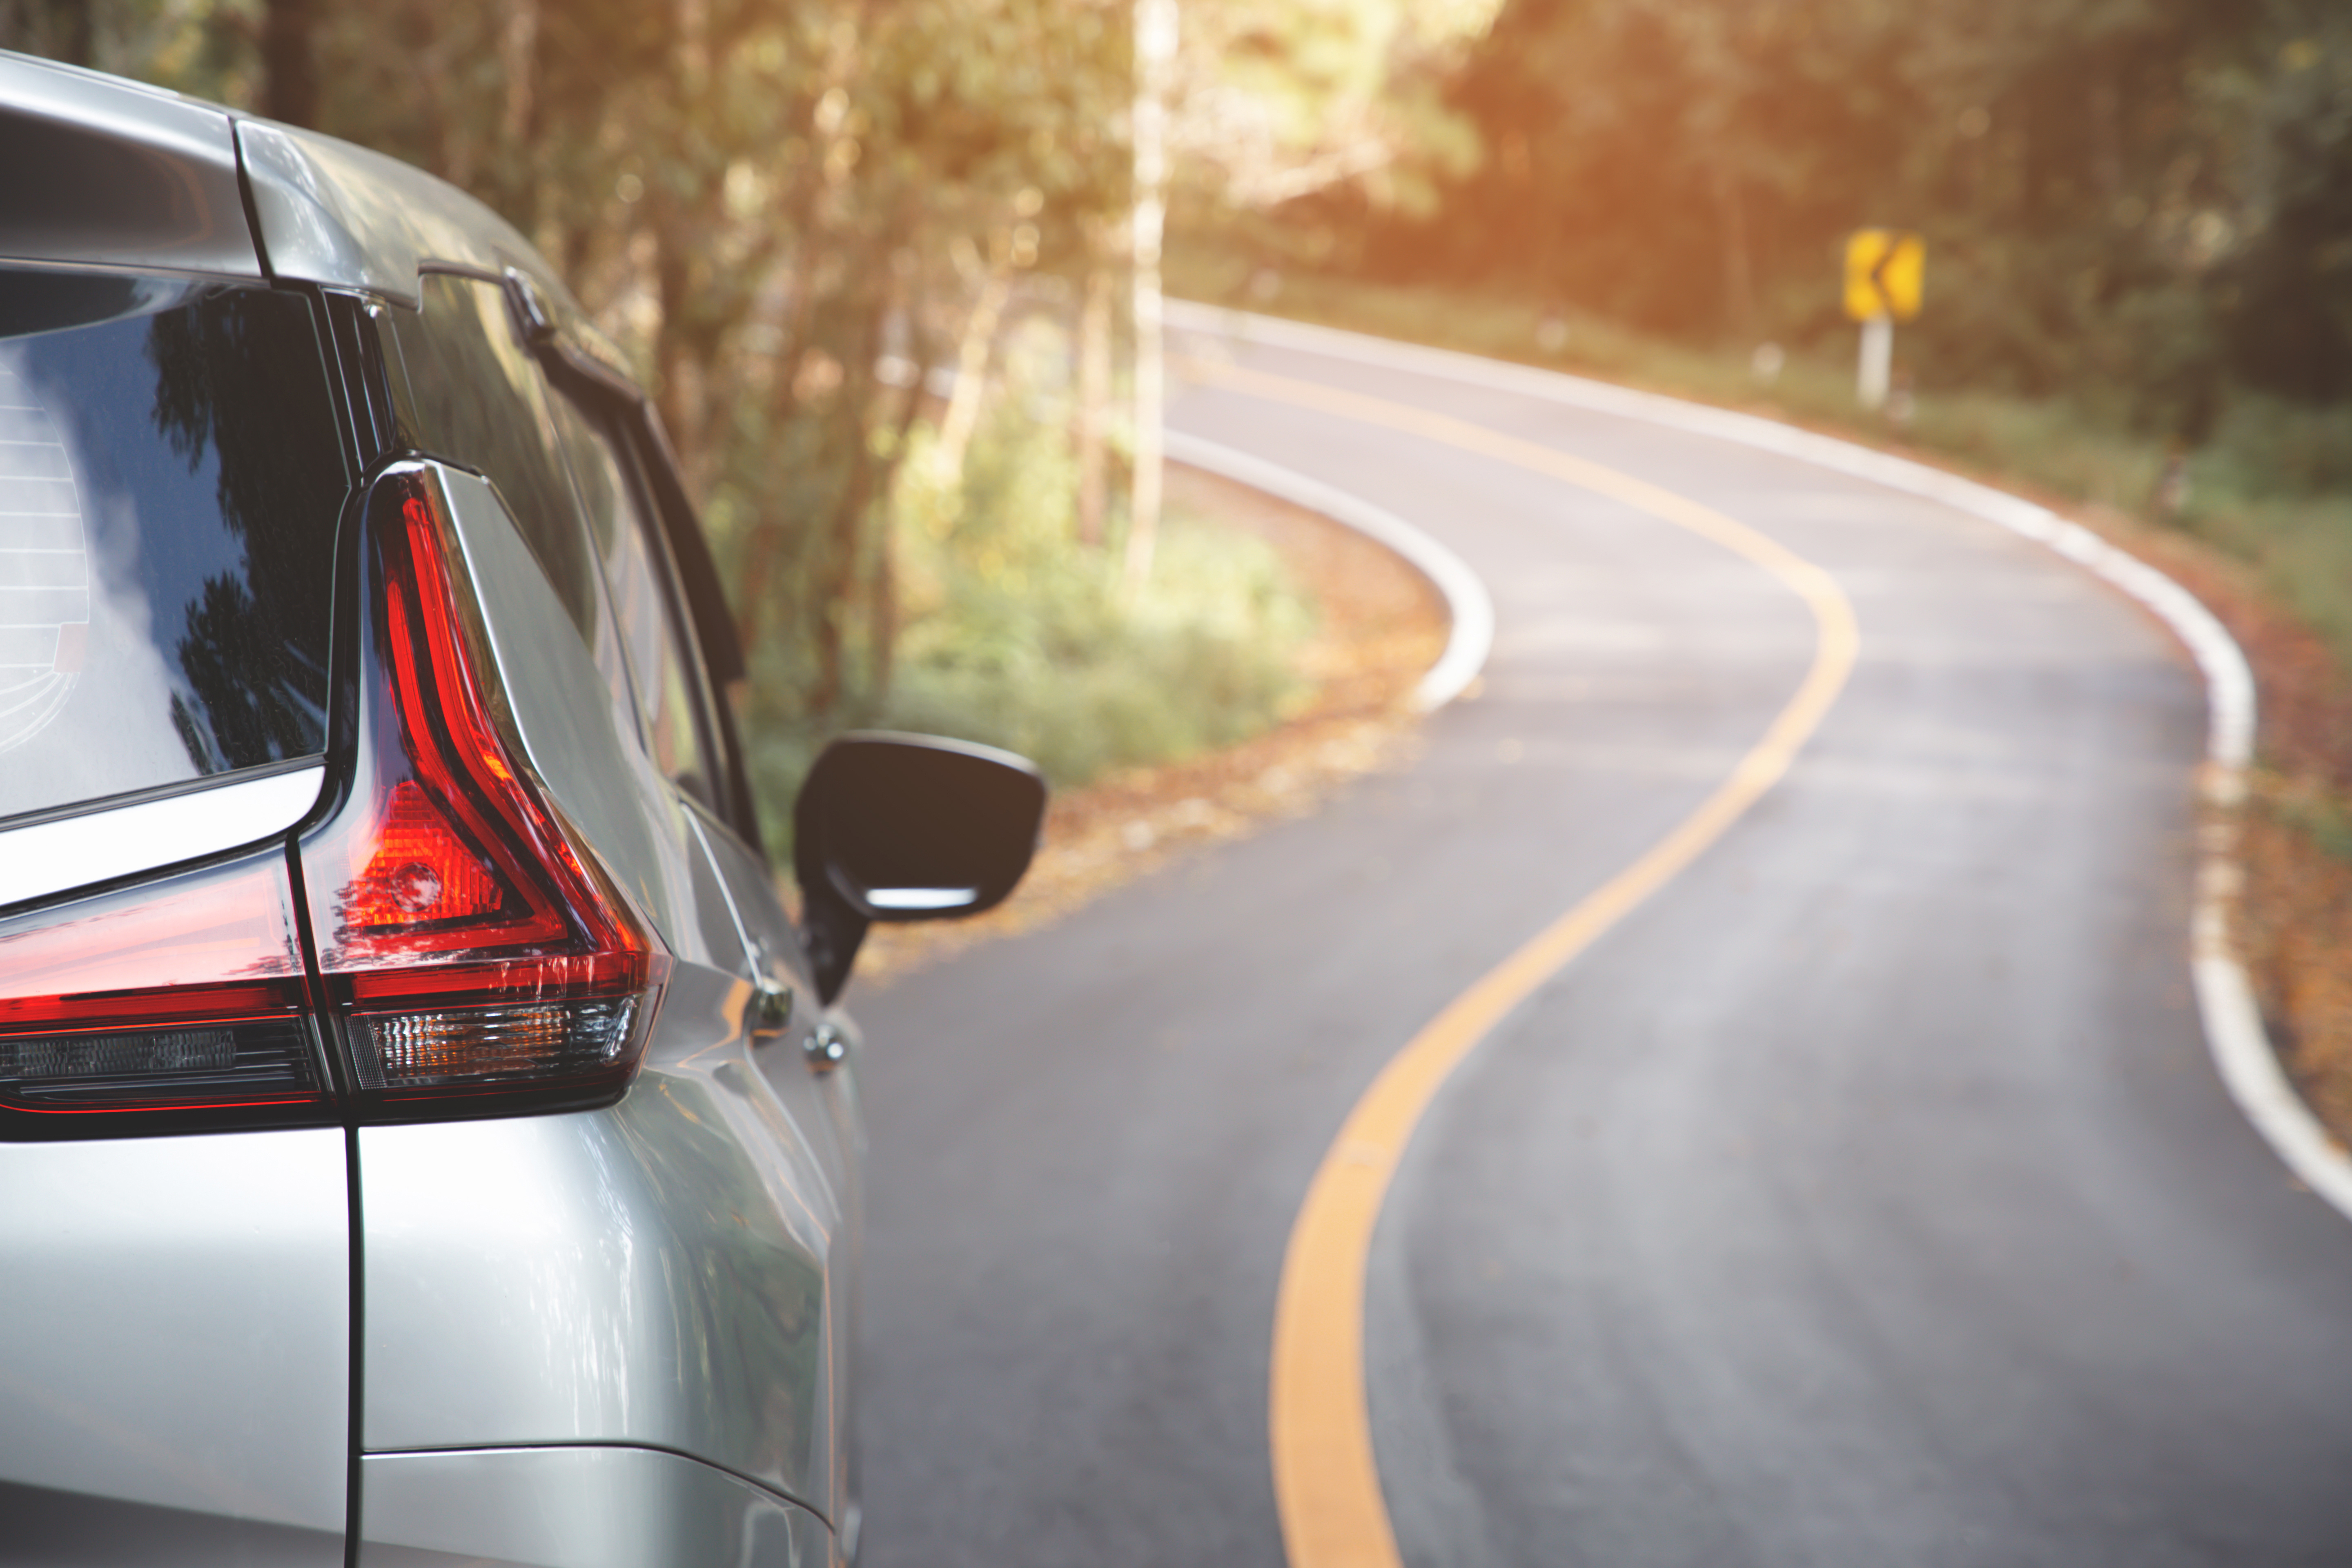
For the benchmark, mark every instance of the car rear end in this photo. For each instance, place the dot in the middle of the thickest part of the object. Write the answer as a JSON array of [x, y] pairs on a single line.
[[387, 1175]]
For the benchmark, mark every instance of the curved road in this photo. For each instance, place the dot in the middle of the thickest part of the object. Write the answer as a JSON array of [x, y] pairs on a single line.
[[1865, 1196]]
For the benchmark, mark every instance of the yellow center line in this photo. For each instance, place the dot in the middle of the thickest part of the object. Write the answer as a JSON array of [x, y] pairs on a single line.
[[1327, 1485]]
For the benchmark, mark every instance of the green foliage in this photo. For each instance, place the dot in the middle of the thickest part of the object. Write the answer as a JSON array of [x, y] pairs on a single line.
[[1040, 654], [2322, 820], [2267, 446], [2156, 194], [1009, 636], [1279, 99], [1013, 639]]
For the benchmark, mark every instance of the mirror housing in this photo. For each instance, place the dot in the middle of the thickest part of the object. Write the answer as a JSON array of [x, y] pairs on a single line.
[[907, 827]]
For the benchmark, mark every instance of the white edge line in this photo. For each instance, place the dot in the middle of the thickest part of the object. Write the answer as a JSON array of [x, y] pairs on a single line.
[[1467, 603], [2241, 1050]]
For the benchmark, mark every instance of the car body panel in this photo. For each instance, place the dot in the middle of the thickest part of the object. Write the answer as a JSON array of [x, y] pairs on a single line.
[[338, 214], [821, 1110], [178, 1317], [575, 1507], [50, 1529], [653, 1273], [665, 1271], [570, 722], [221, 813], [106, 174]]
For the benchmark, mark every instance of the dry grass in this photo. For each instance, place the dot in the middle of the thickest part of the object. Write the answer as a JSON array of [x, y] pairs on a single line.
[[2298, 934]]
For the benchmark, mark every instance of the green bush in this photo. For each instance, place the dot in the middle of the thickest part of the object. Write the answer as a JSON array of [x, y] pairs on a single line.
[[1018, 636], [2268, 447]]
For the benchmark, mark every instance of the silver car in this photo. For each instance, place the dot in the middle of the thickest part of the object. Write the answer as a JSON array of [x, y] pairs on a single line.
[[424, 1136]]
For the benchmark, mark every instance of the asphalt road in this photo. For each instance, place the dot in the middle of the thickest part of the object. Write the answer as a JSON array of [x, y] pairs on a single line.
[[1865, 1197]]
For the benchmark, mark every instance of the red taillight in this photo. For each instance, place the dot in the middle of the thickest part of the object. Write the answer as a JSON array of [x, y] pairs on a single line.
[[421, 872], [184, 995], [473, 946], [475, 954]]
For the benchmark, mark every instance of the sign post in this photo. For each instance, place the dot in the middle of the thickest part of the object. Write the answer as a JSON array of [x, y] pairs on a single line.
[[1875, 372], [1885, 270]]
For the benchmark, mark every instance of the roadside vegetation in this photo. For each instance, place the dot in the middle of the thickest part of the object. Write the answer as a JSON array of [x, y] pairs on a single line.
[[1011, 634]]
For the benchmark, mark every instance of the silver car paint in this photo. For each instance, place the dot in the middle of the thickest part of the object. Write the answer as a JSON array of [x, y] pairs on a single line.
[[330, 213], [574, 1507], [822, 1108], [656, 1273], [155, 183], [333, 213], [65, 852], [172, 206], [177, 1314], [664, 1272], [580, 741]]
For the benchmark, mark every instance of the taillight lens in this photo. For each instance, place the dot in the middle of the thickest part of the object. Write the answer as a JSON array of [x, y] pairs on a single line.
[[475, 953], [473, 945], [185, 996]]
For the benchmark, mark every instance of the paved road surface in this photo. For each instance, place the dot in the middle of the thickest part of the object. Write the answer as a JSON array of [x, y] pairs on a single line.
[[1867, 1197]]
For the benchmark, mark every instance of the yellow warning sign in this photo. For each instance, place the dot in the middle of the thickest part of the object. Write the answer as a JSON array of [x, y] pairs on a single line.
[[1885, 268]]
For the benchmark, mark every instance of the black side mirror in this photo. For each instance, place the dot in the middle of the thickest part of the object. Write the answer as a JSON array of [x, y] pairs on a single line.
[[907, 827]]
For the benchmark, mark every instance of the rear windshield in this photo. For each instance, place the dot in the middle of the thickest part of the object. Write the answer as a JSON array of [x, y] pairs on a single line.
[[170, 476]]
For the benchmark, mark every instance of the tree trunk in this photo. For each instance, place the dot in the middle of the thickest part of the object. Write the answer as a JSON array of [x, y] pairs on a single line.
[[1155, 52], [1094, 404], [290, 69], [1738, 274], [681, 355], [971, 369], [839, 575], [518, 59], [753, 584], [885, 618], [72, 31], [2105, 109]]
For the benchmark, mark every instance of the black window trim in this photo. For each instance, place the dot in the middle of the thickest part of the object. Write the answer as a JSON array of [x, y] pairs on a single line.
[[603, 394]]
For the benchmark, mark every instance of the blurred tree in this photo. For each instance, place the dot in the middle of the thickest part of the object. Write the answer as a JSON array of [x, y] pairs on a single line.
[[2285, 266], [2143, 194], [760, 201], [1279, 99], [289, 66], [57, 29], [763, 200]]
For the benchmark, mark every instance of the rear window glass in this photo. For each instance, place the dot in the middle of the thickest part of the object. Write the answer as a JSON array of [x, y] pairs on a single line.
[[170, 478]]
